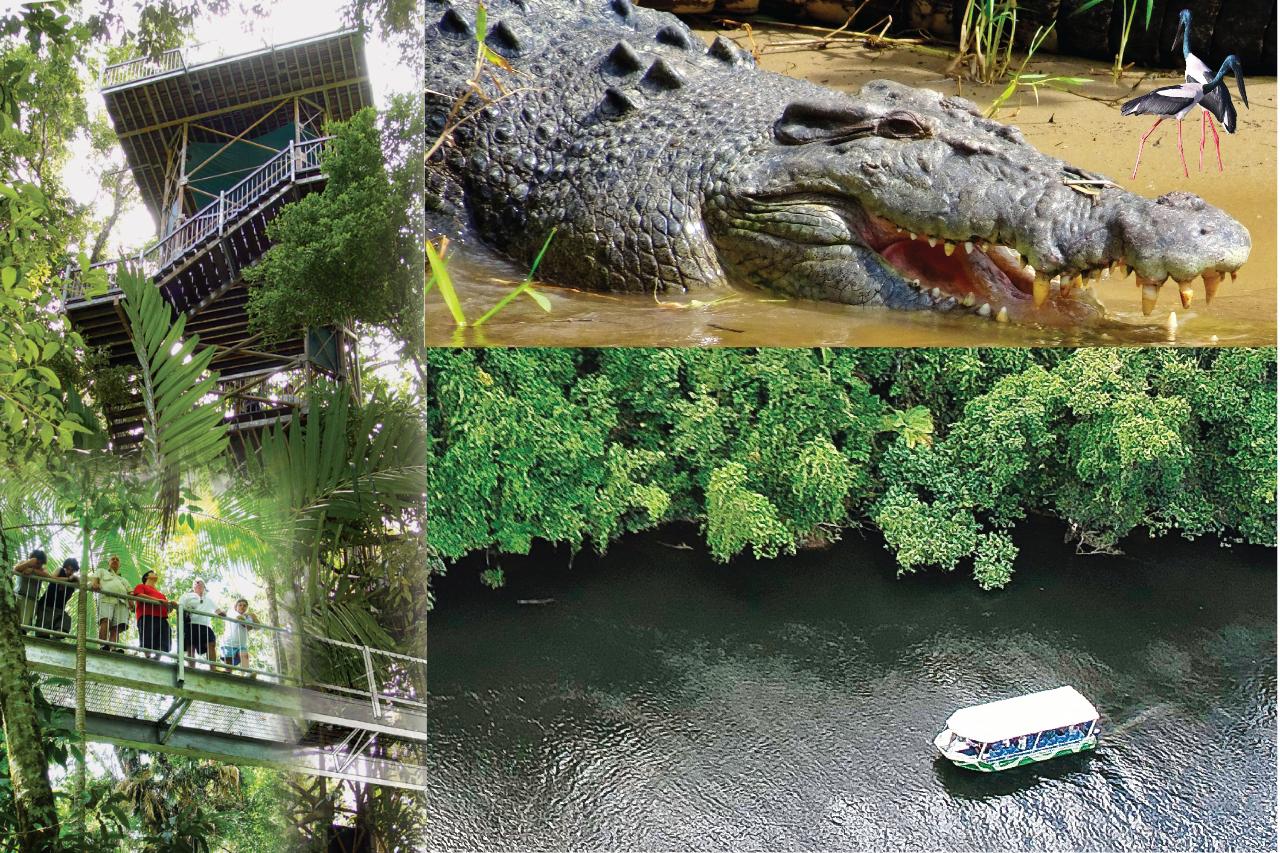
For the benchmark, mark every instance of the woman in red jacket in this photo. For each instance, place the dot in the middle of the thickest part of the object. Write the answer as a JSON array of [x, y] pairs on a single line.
[[153, 619]]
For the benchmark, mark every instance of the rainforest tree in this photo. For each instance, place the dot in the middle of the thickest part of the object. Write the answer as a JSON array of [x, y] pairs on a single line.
[[943, 451]]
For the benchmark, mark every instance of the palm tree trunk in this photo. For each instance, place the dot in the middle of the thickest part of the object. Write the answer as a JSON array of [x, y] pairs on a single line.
[[28, 768]]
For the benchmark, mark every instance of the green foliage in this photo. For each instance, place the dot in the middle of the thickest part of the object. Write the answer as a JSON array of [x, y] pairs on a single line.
[[33, 414], [1035, 82], [182, 427], [943, 451], [1129, 14], [345, 254], [987, 28], [738, 517]]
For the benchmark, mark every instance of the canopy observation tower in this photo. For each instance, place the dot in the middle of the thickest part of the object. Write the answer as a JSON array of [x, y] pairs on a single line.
[[217, 147]]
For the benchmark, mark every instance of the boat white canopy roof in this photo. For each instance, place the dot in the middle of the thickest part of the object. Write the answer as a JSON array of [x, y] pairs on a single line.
[[1023, 715]]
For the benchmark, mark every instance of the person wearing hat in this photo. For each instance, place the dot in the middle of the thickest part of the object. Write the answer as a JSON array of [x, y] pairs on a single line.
[[200, 638], [29, 572]]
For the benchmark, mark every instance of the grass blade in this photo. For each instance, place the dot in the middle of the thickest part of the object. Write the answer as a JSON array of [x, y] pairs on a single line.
[[440, 274]]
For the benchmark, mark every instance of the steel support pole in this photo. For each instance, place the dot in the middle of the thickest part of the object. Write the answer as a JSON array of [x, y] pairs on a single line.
[[373, 684], [182, 656]]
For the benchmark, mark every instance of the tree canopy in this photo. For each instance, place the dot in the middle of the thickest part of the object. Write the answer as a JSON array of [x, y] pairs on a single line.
[[345, 254], [943, 451]]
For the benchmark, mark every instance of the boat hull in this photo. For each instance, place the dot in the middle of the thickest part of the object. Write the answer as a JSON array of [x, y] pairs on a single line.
[[1010, 761]]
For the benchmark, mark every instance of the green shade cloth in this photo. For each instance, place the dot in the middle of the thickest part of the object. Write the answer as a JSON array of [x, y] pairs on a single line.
[[323, 345], [235, 162]]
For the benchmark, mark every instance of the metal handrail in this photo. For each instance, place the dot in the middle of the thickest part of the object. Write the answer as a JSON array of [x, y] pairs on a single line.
[[60, 625], [297, 158], [142, 67]]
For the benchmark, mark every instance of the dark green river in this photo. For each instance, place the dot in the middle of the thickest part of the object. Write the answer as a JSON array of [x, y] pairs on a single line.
[[664, 702]]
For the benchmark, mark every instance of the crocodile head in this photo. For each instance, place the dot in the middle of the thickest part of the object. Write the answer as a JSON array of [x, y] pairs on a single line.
[[910, 199]]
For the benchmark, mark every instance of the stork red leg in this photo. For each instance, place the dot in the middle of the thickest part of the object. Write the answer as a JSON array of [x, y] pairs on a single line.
[[1216, 146], [1142, 143], [1204, 117], [1182, 153]]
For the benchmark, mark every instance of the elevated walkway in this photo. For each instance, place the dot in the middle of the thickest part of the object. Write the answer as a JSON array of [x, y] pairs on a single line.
[[370, 729]]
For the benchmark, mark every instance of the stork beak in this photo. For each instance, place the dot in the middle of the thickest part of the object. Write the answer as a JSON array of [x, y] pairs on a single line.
[[1177, 36], [1240, 83]]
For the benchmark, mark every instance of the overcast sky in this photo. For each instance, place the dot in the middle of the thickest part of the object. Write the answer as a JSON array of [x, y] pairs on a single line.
[[285, 20]]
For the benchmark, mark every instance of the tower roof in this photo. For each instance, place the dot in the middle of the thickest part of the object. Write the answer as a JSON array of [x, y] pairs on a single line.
[[148, 102]]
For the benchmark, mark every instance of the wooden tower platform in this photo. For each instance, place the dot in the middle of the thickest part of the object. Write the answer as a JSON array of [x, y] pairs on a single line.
[[217, 148]]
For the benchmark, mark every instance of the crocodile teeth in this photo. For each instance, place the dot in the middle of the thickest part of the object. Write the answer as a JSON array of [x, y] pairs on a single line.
[[913, 234], [1212, 279], [1185, 293], [1077, 280], [936, 293], [968, 247], [1056, 280], [1105, 273], [933, 241], [1040, 290], [1150, 293], [1029, 271], [985, 310], [1009, 255], [1003, 315], [1172, 322], [948, 247], [969, 301]]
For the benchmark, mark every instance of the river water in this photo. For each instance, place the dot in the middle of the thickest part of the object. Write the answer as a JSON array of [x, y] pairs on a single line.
[[665, 702], [1082, 126]]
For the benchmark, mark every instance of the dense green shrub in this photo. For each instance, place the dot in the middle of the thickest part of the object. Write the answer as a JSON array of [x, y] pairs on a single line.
[[944, 451]]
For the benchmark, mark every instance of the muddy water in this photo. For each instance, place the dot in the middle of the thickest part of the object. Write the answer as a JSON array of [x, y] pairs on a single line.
[[1083, 127], [654, 700]]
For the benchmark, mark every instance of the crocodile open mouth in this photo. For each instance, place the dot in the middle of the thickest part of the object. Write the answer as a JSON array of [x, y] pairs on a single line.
[[988, 279], [996, 281]]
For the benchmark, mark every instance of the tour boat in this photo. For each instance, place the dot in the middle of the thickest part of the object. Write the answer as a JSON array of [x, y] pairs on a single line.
[[1021, 730]]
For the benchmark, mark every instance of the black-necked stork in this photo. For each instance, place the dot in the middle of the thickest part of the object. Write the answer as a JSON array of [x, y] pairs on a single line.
[[1175, 102], [1217, 100]]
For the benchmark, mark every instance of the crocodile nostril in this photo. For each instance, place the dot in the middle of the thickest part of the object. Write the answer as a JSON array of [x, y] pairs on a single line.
[[1204, 231]]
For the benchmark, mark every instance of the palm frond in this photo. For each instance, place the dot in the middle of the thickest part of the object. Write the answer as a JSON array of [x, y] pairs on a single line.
[[182, 427]]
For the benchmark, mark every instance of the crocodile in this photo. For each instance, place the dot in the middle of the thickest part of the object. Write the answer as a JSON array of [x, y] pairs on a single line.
[[664, 163]]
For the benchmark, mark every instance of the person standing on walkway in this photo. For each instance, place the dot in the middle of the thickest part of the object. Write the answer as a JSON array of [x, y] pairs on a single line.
[[153, 616], [51, 612], [113, 608], [235, 651], [201, 640], [29, 572]]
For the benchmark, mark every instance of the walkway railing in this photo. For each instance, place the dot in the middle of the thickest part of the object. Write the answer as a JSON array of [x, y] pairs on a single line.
[[142, 67], [48, 610], [297, 159]]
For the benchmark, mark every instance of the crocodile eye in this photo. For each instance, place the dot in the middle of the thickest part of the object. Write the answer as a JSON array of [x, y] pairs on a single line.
[[901, 124]]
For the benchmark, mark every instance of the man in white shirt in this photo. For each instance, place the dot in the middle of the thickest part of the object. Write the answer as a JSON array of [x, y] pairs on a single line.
[[200, 639]]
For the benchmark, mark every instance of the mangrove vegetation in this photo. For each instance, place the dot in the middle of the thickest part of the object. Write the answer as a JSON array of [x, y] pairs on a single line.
[[943, 451]]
